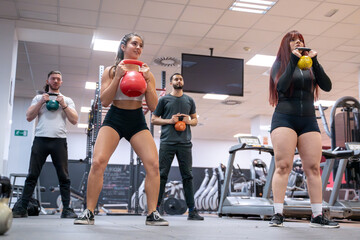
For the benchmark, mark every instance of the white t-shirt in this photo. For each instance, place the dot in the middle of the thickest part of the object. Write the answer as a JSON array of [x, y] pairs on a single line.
[[51, 124]]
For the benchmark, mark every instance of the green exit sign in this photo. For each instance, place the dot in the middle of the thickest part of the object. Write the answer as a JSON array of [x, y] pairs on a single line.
[[22, 133]]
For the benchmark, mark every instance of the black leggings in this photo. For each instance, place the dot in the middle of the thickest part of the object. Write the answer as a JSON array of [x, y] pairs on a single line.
[[41, 148]]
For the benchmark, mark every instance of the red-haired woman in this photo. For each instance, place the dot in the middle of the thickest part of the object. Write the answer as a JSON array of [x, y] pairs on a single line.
[[294, 124]]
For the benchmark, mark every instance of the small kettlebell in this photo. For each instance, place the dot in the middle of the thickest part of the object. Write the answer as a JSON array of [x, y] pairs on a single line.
[[6, 216], [52, 105], [133, 83], [305, 62], [180, 126]]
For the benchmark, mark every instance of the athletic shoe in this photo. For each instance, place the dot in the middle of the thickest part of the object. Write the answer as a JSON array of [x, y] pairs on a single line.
[[85, 218], [19, 212], [154, 219], [194, 215], [322, 222], [276, 220], [68, 213]]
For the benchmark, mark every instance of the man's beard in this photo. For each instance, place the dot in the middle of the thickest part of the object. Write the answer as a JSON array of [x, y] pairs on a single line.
[[178, 86], [50, 87]]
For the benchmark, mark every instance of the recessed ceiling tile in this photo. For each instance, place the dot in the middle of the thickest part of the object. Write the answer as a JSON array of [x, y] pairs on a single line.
[[325, 42], [219, 46], [93, 5], [181, 41], [320, 12], [201, 14], [161, 10], [191, 29], [343, 30], [110, 33], [238, 19], [259, 36], [154, 25], [112, 20], [41, 48], [293, 8], [355, 59], [348, 68], [227, 33], [339, 55], [75, 52], [223, 4], [37, 8], [347, 2], [122, 6], [37, 2], [275, 23], [39, 16], [8, 9], [78, 17], [152, 38], [353, 18], [43, 59], [74, 61], [151, 49], [317, 27]]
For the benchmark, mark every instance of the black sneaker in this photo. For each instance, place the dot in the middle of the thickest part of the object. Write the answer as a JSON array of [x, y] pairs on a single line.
[[154, 219], [85, 218], [19, 212], [68, 213], [277, 220], [194, 215], [322, 222]]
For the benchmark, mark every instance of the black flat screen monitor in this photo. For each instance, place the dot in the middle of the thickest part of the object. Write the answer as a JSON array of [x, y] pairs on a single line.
[[208, 74]]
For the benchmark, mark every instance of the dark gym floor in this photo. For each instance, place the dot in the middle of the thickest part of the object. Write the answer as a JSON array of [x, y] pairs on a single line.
[[52, 227]]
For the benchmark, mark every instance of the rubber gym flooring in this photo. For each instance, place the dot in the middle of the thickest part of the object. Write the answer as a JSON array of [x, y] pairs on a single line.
[[52, 227]]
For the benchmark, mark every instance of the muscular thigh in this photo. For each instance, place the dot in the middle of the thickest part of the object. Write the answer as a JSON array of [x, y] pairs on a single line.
[[106, 143], [309, 147], [144, 146], [284, 142]]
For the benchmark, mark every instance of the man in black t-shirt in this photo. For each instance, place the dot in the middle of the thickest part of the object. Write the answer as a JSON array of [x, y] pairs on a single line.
[[172, 108]]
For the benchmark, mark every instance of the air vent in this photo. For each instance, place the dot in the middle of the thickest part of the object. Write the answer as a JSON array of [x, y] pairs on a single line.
[[231, 102], [167, 61]]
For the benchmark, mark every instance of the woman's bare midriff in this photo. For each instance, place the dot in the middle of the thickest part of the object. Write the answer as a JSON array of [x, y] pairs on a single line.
[[127, 104]]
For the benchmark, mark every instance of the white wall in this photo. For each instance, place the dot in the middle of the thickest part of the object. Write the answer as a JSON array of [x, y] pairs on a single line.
[[20, 147], [206, 153], [8, 50]]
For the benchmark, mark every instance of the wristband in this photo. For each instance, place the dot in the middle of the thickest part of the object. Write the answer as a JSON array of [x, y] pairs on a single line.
[[65, 107]]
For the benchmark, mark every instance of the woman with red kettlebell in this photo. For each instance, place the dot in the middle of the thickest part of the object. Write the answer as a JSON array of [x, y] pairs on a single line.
[[294, 124], [126, 119]]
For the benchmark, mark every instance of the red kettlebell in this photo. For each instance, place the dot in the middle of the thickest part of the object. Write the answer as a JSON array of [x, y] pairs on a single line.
[[180, 126], [133, 83]]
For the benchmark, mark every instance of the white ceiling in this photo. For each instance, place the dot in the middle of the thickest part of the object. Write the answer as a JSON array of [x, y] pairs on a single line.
[[58, 34]]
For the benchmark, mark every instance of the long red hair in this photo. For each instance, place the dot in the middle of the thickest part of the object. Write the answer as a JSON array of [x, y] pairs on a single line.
[[283, 56]]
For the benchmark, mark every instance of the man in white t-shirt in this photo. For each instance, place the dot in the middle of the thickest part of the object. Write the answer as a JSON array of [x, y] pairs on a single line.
[[50, 139]]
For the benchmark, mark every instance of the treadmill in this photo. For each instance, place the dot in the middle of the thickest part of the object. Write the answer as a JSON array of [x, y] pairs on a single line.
[[233, 204]]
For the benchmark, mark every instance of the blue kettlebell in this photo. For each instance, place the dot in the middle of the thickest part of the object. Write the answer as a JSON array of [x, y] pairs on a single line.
[[52, 105]]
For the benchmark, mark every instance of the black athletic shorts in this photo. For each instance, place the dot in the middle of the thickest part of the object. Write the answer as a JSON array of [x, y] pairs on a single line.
[[125, 122], [299, 124]]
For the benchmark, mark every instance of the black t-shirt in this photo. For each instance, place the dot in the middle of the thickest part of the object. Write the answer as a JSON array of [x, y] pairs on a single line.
[[299, 101], [167, 107]]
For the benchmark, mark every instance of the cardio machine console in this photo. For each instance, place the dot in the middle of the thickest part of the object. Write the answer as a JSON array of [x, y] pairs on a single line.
[[352, 146], [249, 140]]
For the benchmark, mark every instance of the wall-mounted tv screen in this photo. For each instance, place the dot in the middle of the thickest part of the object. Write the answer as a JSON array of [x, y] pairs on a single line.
[[208, 74]]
